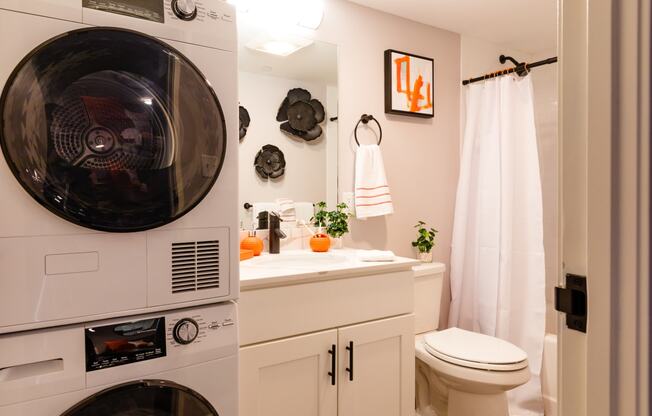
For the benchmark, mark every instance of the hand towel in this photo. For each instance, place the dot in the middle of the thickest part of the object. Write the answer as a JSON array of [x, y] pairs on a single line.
[[372, 197], [375, 255]]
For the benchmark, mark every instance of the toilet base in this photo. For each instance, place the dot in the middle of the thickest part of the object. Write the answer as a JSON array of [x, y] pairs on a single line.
[[469, 404]]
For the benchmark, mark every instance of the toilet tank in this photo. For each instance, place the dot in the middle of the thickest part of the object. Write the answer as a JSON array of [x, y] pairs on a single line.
[[428, 280]]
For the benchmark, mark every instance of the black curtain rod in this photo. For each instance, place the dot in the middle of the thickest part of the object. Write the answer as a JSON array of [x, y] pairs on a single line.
[[522, 69]]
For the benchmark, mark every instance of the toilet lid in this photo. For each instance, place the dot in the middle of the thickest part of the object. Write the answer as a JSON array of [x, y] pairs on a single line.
[[474, 350]]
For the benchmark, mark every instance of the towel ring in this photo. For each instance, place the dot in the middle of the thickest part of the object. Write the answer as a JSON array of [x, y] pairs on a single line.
[[365, 119]]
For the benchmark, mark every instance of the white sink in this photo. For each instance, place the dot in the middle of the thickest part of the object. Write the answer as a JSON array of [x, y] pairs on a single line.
[[302, 260]]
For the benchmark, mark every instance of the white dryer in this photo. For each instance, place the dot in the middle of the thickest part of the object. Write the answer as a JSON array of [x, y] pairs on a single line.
[[181, 363], [118, 175]]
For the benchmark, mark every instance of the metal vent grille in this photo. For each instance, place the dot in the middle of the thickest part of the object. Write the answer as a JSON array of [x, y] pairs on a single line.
[[195, 266]]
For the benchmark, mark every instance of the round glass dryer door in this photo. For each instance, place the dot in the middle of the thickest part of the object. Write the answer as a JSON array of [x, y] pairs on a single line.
[[112, 129], [144, 398]]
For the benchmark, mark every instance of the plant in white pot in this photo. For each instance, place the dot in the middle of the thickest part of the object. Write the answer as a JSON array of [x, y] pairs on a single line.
[[425, 241], [338, 224]]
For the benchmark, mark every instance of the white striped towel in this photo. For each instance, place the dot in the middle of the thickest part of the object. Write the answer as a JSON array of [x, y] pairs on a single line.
[[372, 196]]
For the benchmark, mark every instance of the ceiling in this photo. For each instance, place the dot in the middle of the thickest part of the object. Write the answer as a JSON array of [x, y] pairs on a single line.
[[526, 25]]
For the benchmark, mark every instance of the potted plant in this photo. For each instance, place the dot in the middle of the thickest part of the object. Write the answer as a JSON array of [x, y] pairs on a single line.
[[320, 219], [320, 242], [338, 223], [425, 242]]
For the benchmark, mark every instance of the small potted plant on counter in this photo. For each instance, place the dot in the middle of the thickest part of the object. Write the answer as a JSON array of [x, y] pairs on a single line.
[[338, 224], [320, 242], [425, 242]]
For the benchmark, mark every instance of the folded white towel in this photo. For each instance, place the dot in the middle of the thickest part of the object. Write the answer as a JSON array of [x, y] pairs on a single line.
[[375, 255], [372, 197]]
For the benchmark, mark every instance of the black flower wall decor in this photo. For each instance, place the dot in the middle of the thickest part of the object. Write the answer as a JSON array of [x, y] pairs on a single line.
[[245, 120], [270, 162], [301, 115]]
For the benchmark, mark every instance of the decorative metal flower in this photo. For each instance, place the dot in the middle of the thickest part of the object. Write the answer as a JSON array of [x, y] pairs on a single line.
[[245, 120], [270, 162], [301, 115]]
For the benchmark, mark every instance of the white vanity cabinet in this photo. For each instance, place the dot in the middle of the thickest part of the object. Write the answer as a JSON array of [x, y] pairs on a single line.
[[383, 368], [289, 377], [294, 376], [301, 340]]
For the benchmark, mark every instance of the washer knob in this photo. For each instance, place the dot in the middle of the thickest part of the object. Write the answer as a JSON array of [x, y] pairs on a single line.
[[184, 9], [185, 331]]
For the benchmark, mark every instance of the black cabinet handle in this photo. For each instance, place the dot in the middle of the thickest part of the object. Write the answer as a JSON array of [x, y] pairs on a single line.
[[349, 369], [333, 353]]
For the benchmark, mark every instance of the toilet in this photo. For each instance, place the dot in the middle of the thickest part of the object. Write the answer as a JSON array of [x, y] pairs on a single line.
[[458, 372]]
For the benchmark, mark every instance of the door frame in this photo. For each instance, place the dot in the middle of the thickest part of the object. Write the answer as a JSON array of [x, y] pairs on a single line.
[[605, 136]]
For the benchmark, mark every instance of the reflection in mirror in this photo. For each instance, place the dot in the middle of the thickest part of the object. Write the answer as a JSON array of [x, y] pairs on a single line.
[[290, 98]]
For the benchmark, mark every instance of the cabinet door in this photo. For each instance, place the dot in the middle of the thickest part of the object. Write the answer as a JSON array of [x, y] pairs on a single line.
[[289, 377], [382, 383]]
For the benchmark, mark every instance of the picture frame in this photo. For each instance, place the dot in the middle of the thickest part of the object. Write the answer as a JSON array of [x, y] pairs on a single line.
[[409, 84]]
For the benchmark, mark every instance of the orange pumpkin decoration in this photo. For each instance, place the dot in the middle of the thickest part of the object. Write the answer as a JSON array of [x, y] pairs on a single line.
[[320, 243], [252, 243]]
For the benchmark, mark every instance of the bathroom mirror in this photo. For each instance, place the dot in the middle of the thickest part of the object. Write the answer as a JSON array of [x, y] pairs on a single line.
[[293, 159]]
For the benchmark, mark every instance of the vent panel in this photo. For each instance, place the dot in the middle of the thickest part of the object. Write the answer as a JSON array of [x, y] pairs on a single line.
[[195, 266]]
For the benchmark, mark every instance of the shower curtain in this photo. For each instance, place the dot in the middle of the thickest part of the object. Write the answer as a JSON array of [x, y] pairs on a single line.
[[497, 258]]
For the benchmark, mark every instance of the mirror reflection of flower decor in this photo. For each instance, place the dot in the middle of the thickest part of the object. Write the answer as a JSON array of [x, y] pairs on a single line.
[[245, 120], [301, 115], [270, 162]]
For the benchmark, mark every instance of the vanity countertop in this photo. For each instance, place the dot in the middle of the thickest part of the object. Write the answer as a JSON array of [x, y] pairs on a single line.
[[301, 266]]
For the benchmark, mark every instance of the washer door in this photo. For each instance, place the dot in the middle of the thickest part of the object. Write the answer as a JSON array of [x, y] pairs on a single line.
[[112, 129], [144, 398]]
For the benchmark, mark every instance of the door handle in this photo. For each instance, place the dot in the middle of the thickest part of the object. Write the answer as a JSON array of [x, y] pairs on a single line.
[[349, 369], [333, 353]]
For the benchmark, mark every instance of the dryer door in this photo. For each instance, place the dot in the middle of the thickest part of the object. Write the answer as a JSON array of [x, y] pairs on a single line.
[[144, 398], [112, 129]]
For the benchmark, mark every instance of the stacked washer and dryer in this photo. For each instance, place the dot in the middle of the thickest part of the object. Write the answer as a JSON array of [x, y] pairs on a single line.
[[118, 219]]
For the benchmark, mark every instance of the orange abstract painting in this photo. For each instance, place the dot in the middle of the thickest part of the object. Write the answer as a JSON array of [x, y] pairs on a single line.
[[409, 84]]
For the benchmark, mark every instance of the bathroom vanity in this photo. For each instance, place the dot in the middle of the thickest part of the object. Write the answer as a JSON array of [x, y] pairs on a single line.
[[326, 334]]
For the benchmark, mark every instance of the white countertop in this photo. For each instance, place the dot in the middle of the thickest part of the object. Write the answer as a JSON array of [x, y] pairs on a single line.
[[300, 266]]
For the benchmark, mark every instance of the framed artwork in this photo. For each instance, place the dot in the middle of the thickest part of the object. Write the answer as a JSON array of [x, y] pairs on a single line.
[[409, 84]]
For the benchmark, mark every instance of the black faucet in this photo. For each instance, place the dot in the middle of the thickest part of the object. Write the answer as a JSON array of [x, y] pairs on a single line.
[[275, 233]]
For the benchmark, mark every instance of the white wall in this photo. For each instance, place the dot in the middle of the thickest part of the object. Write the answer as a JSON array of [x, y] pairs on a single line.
[[421, 155], [479, 57], [306, 172]]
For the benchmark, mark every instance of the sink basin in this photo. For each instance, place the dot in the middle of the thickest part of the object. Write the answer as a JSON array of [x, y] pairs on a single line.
[[309, 259]]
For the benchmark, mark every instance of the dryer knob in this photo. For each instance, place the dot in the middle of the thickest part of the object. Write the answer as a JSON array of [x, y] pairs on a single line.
[[185, 331], [184, 9]]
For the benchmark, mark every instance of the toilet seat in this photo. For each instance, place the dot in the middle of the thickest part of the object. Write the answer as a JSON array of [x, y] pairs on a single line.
[[473, 350]]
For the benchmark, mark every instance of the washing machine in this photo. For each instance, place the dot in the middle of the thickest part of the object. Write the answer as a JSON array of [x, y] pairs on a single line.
[[118, 174], [180, 363]]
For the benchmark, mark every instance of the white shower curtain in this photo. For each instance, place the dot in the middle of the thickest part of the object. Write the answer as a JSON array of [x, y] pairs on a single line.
[[497, 259]]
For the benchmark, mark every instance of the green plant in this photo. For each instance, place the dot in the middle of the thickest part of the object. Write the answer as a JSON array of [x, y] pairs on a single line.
[[425, 238], [338, 221], [321, 215]]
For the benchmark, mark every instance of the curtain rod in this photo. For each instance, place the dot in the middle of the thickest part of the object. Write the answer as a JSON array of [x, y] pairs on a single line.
[[521, 69]]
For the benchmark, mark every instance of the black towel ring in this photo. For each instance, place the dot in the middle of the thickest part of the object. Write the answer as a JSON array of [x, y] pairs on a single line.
[[365, 119]]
